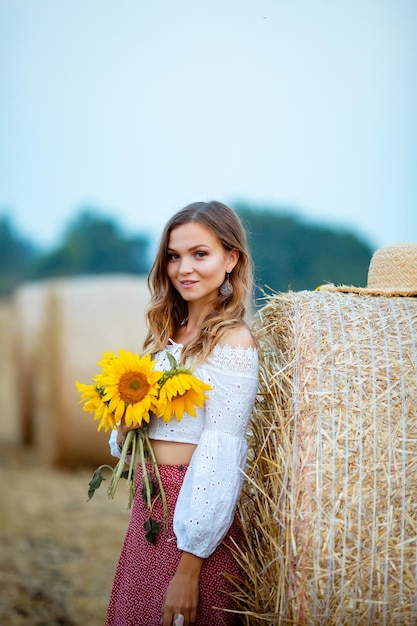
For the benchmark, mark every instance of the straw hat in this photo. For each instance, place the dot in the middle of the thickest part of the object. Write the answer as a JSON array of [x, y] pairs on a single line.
[[392, 272]]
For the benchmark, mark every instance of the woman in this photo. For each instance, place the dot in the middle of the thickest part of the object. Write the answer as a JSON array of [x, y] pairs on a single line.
[[199, 282]]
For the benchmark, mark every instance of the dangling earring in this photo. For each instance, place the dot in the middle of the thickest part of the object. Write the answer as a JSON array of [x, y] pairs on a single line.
[[226, 288]]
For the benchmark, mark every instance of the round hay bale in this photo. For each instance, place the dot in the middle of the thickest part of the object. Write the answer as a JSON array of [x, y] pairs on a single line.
[[28, 304], [8, 392], [62, 339], [330, 511]]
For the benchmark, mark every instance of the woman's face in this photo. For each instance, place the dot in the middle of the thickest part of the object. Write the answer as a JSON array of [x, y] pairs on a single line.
[[197, 262]]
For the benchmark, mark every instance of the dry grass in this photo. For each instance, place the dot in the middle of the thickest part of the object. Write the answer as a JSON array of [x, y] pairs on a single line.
[[330, 507]]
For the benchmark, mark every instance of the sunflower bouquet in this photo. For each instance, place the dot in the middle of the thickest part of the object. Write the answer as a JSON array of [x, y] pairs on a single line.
[[129, 388]]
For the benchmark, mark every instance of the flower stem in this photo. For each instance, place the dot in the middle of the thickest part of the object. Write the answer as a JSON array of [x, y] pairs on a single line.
[[131, 481], [145, 477], [158, 477], [118, 470]]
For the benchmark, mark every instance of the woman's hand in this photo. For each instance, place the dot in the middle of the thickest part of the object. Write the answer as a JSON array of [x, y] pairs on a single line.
[[122, 432], [181, 597]]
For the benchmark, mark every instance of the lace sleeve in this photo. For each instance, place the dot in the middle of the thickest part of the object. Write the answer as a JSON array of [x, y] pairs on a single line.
[[213, 482], [114, 447]]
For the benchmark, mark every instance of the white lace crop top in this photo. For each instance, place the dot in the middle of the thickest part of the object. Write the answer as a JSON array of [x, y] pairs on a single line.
[[213, 481]]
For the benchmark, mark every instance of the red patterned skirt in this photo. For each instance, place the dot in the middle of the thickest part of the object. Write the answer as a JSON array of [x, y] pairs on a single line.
[[145, 570]]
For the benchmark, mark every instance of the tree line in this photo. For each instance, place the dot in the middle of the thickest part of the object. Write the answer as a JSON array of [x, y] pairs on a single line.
[[288, 252], [292, 253]]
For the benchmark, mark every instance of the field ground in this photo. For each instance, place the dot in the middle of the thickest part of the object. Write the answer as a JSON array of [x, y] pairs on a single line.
[[58, 552]]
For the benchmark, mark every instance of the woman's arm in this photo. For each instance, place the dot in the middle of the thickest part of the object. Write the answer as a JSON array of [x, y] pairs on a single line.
[[213, 481], [183, 591], [212, 484]]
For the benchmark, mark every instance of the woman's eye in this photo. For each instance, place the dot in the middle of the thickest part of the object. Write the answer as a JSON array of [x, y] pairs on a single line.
[[172, 256], [200, 254]]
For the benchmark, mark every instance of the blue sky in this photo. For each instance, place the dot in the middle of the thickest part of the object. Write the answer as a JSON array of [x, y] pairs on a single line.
[[140, 107]]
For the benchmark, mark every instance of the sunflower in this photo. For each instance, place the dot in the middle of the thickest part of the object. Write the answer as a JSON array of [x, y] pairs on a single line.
[[180, 393], [130, 386], [92, 396], [106, 358]]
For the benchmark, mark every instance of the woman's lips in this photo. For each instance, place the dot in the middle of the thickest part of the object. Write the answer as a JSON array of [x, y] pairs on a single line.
[[187, 283]]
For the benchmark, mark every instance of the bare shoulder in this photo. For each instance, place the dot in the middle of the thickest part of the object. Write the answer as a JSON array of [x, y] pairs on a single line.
[[238, 337]]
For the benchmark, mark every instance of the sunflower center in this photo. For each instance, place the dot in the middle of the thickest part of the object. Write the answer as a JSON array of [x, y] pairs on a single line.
[[133, 387]]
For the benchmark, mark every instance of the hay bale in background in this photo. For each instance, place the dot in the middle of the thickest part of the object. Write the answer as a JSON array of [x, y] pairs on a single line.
[[27, 305], [331, 511], [8, 408], [63, 328]]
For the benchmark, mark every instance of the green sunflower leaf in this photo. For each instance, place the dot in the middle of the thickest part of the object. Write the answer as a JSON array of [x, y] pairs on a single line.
[[95, 483], [152, 528], [172, 361]]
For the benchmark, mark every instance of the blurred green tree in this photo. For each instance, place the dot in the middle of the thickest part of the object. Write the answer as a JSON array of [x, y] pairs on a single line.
[[95, 245], [290, 253], [16, 256]]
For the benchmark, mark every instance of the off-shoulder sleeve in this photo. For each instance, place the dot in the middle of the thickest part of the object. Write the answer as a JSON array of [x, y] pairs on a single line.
[[207, 501]]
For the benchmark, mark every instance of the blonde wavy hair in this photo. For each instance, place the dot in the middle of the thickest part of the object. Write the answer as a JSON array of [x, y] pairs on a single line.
[[167, 309]]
